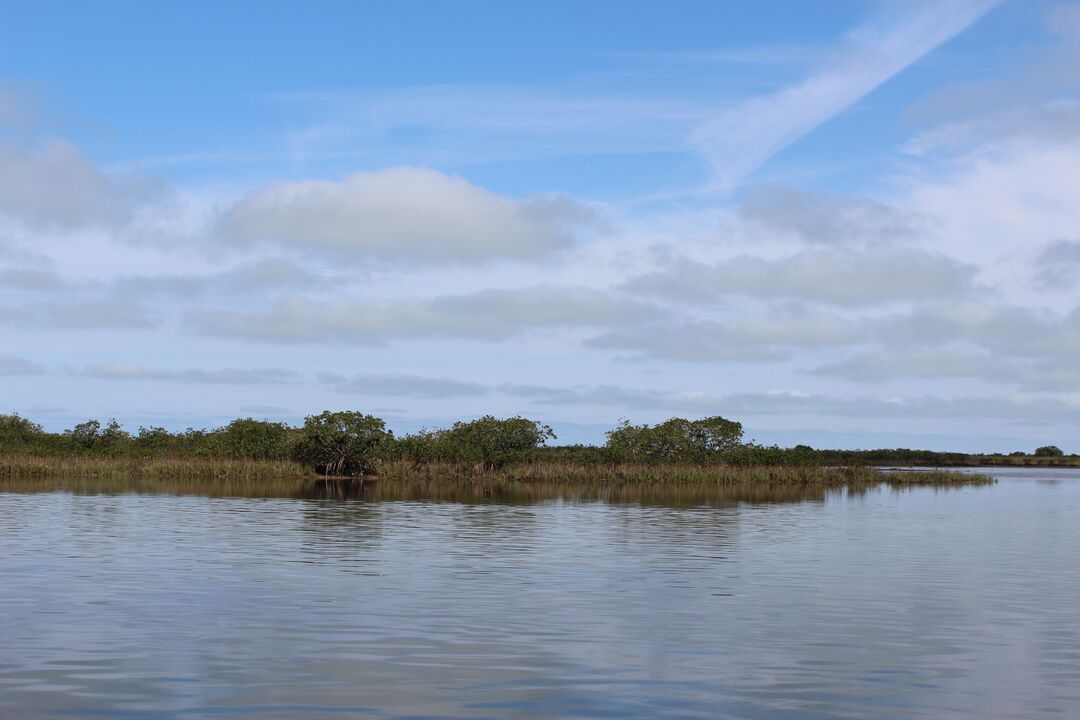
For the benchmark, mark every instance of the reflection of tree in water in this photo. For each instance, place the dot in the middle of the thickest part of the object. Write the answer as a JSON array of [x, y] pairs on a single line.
[[707, 533], [340, 529], [509, 530], [504, 493]]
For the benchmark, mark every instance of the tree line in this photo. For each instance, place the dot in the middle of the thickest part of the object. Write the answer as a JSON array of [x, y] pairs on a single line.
[[353, 443]]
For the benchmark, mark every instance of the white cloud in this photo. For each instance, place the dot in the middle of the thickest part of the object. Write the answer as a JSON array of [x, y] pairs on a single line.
[[996, 205], [1004, 330], [402, 385], [1052, 121], [821, 218], [14, 110], [1015, 409], [224, 376], [851, 278], [405, 215], [922, 364], [17, 366], [483, 315], [746, 337], [32, 280], [89, 314], [951, 364], [1058, 264], [264, 275], [48, 183], [53, 184], [743, 138]]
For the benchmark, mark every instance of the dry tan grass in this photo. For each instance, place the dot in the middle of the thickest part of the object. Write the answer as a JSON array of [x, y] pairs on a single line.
[[668, 484]]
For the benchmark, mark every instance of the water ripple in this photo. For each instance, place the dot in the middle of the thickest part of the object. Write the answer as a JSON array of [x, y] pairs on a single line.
[[884, 604]]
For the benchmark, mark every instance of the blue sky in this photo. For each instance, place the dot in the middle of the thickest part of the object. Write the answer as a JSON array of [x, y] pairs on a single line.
[[846, 223]]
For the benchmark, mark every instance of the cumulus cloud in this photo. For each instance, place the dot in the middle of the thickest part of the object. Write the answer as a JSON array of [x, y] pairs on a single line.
[[853, 278], [1003, 199], [610, 396], [746, 338], [265, 275], [405, 215], [51, 184], [1004, 330], [1054, 121], [402, 385], [17, 366], [821, 218], [32, 280], [91, 314], [922, 364], [1033, 98], [952, 363], [1020, 409], [12, 111], [224, 376], [81, 313], [1058, 264], [483, 315]]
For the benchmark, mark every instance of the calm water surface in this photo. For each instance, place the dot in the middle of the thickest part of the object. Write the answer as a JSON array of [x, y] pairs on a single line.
[[921, 603]]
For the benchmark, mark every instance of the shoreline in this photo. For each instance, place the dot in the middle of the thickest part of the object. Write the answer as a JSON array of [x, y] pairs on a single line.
[[281, 473]]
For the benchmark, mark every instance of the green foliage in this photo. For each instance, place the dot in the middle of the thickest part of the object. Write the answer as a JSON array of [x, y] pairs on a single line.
[[341, 443], [17, 434], [495, 442], [354, 443], [90, 436], [675, 440], [85, 436], [153, 441], [250, 439], [487, 441], [424, 446]]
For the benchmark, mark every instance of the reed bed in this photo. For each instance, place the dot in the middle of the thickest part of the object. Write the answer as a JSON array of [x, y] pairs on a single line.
[[48, 466], [669, 484], [714, 475]]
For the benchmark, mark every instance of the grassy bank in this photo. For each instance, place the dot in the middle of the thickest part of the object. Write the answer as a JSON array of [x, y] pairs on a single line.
[[398, 479]]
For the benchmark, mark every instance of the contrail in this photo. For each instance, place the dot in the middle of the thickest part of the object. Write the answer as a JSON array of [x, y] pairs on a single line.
[[740, 140]]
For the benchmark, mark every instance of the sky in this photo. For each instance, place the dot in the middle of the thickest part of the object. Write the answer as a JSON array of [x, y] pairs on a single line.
[[844, 224]]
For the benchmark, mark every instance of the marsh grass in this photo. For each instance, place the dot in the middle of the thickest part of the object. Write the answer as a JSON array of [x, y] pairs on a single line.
[[213, 478], [619, 474], [678, 484]]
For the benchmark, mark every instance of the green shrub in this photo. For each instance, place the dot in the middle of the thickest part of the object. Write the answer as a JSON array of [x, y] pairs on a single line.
[[250, 439], [495, 442], [19, 434], [89, 436], [675, 440], [488, 441], [341, 443]]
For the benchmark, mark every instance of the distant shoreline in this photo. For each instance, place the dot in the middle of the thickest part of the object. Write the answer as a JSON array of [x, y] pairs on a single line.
[[25, 472]]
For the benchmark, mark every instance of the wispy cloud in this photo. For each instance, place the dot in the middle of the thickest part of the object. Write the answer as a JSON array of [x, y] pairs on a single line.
[[17, 366], [402, 385], [741, 139], [225, 376]]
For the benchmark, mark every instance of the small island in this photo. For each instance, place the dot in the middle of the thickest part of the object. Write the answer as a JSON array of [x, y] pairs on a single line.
[[342, 453]]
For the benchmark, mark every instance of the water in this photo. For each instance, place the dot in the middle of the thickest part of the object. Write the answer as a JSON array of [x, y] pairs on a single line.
[[921, 603]]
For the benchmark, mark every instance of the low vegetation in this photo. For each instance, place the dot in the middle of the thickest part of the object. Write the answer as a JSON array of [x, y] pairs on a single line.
[[345, 449]]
